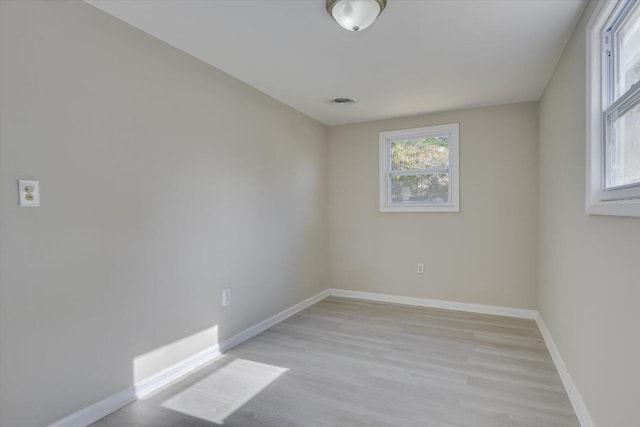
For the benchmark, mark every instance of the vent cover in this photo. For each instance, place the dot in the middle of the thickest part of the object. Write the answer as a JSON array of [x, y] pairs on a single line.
[[342, 101]]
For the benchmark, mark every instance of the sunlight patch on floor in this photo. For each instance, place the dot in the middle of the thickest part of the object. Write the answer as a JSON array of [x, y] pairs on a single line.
[[226, 390]]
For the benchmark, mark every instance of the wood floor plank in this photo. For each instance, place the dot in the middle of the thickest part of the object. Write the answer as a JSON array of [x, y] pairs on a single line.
[[344, 362]]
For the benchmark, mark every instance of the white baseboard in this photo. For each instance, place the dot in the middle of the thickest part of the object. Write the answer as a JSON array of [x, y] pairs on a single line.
[[164, 377], [101, 409], [98, 410], [434, 303], [254, 330], [142, 388], [578, 403]]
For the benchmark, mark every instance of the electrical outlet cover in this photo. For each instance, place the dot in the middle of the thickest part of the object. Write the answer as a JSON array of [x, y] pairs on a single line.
[[226, 297]]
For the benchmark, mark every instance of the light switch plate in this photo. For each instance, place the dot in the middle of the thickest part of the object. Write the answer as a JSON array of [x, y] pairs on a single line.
[[28, 193]]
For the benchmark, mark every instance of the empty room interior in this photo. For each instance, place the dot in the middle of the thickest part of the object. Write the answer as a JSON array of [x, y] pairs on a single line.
[[260, 213]]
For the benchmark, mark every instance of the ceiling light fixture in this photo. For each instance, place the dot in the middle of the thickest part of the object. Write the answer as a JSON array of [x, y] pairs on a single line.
[[355, 15]]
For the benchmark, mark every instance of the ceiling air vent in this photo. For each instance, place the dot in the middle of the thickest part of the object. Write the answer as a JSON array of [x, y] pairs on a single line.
[[342, 101]]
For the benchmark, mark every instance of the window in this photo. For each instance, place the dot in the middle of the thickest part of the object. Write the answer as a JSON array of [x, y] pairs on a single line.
[[419, 169], [613, 113]]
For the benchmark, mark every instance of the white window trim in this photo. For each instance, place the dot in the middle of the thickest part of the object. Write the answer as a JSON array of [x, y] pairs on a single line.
[[596, 202], [453, 129]]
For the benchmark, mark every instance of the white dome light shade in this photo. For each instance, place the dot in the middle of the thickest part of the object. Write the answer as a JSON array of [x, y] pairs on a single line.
[[355, 15]]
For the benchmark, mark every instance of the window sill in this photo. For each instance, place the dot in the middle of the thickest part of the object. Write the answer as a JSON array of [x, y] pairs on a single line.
[[615, 207], [440, 208]]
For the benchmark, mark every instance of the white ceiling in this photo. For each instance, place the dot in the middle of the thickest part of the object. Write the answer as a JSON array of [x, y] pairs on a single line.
[[419, 57]]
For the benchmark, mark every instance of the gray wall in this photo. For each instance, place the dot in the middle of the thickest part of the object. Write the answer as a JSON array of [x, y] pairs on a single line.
[[589, 290], [486, 253], [162, 181]]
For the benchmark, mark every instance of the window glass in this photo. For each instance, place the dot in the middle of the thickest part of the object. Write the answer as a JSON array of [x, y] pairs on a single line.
[[628, 53], [622, 118], [623, 149], [420, 153], [420, 188]]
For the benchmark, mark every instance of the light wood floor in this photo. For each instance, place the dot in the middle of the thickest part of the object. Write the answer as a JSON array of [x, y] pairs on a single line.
[[345, 362]]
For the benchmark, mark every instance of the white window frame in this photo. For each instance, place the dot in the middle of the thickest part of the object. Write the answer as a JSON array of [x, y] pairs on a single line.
[[452, 130], [621, 201]]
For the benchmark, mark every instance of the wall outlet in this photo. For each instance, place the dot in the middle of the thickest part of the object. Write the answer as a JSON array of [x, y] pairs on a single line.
[[420, 269], [226, 297]]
